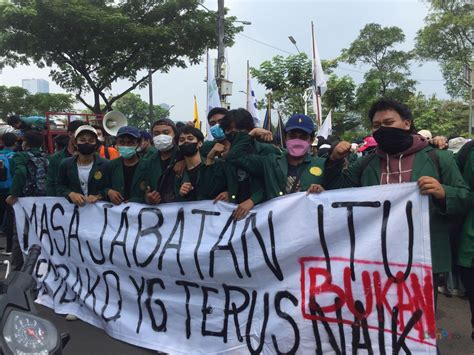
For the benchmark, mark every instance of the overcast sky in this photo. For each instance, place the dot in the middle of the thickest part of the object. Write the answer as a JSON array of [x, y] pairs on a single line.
[[337, 24]]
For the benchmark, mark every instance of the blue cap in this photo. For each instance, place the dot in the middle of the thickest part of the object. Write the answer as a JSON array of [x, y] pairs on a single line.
[[131, 131], [300, 121], [145, 135]]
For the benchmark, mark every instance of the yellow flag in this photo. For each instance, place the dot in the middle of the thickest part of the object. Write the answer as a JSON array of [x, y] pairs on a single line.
[[196, 121]]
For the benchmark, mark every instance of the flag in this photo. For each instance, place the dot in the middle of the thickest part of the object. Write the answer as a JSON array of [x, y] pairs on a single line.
[[318, 75], [279, 136], [267, 121], [213, 99], [319, 79], [252, 99], [196, 121], [326, 128]]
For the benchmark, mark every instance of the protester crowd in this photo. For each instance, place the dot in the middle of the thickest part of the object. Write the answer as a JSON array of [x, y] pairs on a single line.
[[241, 165]]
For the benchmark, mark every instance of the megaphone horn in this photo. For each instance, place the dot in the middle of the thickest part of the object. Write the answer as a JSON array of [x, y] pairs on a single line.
[[112, 122]]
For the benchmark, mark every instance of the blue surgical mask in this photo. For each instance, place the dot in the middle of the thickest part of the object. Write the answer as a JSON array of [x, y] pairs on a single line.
[[127, 152], [217, 132]]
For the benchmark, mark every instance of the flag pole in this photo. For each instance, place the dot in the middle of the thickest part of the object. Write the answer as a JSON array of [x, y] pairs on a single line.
[[248, 86], [315, 89], [207, 80]]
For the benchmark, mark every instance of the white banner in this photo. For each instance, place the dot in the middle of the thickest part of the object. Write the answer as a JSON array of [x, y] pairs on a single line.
[[346, 269]]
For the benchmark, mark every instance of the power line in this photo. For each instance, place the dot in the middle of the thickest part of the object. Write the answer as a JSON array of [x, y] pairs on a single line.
[[265, 44], [338, 67]]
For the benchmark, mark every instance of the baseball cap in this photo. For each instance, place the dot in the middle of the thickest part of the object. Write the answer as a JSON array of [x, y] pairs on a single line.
[[300, 121], [425, 133], [85, 128], [130, 130], [368, 143]]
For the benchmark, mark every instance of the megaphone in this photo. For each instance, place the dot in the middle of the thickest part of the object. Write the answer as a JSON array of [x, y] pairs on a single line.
[[112, 122]]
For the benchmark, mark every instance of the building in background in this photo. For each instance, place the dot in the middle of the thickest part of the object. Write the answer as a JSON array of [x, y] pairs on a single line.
[[35, 86]]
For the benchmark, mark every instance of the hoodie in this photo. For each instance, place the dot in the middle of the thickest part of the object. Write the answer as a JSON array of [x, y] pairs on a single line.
[[397, 168]]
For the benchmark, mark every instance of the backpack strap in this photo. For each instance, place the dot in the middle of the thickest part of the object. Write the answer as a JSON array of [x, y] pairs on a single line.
[[365, 161], [435, 159], [106, 152]]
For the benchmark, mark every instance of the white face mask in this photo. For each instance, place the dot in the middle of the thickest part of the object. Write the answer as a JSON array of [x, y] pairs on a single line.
[[163, 142]]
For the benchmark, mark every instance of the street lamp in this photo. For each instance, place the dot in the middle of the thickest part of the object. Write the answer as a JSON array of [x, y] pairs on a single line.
[[247, 23], [292, 40]]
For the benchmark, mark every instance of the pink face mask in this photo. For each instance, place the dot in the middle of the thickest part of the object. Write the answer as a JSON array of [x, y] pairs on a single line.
[[297, 147]]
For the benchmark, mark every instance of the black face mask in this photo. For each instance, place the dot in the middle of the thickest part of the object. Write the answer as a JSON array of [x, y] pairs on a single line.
[[393, 140], [86, 148], [230, 136], [188, 149]]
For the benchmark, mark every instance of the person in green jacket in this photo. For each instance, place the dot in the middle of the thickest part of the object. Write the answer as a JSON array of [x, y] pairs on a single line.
[[29, 169], [82, 179], [56, 159], [122, 183], [465, 252], [242, 188], [214, 118], [157, 170], [293, 171], [200, 181], [403, 156]]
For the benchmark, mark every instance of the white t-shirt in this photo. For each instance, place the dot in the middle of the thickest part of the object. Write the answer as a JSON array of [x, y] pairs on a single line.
[[84, 171]]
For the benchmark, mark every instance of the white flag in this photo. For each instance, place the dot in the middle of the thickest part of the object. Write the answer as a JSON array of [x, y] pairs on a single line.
[[212, 95], [326, 127], [252, 103], [318, 74]]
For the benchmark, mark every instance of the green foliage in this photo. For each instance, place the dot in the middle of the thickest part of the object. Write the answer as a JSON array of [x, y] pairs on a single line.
[[448, 38], [389, 68], [42, 103], [94, 43], [441, 117], [286, 79], [137, 111], [340, 98], [17, 100]]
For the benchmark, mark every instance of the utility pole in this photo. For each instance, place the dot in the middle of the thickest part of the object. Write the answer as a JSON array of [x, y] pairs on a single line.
[[471, 89], [468, 80], [150, 93], [220, 44]]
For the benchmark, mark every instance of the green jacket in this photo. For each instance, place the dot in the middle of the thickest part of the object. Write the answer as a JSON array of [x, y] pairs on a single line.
[[19, 170], [456, 202], [465, 255], [231, 179], [68, 180], [53, 171], [149, 172], [115, 180], [271, 167], [209, 183]]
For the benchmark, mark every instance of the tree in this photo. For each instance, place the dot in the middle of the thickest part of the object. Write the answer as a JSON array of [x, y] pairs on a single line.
[[16, 100], [340, 98], [43, 102], [92, 44], [441, 117], [137, 111], [448, 39], [287, 79], [389, 68]]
